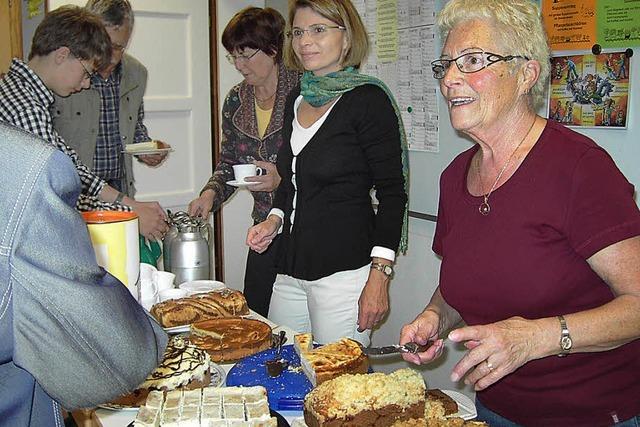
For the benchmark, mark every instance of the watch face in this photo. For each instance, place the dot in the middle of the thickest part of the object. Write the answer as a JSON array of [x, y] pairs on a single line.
[[388, 270], [566, 343]]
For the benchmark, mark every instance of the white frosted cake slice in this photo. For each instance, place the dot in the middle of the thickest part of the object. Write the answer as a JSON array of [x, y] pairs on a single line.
[[303, 343], [147, 417]]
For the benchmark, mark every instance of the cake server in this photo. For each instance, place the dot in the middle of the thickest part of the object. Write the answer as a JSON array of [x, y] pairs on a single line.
[[410, 347]]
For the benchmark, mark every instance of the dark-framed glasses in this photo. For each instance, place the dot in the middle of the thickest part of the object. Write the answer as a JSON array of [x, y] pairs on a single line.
[[470, 62], [315, 31], [240, 58]]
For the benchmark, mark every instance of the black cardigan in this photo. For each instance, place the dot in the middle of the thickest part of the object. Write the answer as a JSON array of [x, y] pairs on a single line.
[[355, 149]]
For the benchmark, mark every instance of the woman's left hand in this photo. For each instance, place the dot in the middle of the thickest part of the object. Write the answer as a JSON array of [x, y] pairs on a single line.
[[374, 300], [495, 350], [266, 182]]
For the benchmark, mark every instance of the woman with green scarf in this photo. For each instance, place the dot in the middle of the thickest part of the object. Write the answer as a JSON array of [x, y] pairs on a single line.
[[343, 136]]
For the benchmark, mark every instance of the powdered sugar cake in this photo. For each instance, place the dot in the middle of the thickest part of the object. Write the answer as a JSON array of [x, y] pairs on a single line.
[[226, 406]]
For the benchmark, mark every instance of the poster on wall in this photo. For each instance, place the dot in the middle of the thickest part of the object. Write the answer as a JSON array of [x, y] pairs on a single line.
[[590, 90]]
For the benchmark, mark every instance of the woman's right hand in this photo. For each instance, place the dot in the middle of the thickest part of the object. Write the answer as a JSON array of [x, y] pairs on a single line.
[[260, 236], [422, 329], [201, 206]]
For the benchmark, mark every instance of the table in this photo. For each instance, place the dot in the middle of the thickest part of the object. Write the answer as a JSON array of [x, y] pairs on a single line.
[[122, 418]]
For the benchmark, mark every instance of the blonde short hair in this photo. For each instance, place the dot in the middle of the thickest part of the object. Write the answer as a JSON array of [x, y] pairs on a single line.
[[519, 30], [341, 12]]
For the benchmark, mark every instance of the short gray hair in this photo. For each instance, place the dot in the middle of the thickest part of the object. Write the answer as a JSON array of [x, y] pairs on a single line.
[[112, 12], [520, 30]]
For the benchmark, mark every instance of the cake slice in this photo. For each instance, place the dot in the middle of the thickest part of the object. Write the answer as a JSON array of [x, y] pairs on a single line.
[[303, 343], [366, 400], [331, 360]]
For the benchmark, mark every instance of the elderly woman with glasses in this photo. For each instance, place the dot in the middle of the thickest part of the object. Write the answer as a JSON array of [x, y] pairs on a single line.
[[252, 121], [343, 137], [539, 237]]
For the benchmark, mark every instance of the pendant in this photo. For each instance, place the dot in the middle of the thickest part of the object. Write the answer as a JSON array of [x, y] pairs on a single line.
[[484, 208]]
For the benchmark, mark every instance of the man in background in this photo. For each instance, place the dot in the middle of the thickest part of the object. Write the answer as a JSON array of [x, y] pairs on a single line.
[[68, 46], [98, 123]]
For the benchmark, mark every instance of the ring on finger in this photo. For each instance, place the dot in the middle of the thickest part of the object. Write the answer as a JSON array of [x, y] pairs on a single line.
[[489, 365]]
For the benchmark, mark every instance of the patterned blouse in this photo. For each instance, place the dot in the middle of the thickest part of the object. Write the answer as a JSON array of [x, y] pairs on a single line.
[[241, 142]]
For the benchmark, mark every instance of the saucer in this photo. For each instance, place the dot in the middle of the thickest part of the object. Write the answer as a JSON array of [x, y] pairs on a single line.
[[241, 183]]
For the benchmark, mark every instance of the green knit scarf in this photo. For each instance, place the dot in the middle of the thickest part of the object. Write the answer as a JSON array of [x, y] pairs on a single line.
[[319, 90]]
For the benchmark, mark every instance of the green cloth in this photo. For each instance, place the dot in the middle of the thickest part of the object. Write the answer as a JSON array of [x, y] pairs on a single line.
[[319, 90]]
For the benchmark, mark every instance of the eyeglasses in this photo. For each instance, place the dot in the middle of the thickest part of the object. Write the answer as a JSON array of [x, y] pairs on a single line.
[[117, 47], [240, 58], [87, 73], [470, 62], [315, 31]]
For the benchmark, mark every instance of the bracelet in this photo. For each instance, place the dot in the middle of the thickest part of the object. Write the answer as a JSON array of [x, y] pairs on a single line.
[[119, 198]]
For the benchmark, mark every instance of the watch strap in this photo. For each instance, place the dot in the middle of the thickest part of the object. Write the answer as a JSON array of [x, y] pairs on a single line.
[[565, 337], [386, 269]]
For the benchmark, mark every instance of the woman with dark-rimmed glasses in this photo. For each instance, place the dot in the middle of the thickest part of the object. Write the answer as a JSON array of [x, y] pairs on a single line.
[[252, 120], [539, 236]]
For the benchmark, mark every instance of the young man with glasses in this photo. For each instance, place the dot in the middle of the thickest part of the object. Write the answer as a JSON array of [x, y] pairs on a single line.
[[98, 123], [67, 47]]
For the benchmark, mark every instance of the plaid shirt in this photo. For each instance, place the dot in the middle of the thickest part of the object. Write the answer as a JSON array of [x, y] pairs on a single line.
[[107, 160], [25, 102]]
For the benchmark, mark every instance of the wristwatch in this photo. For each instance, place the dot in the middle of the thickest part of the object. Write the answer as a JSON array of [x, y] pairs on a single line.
[[565, 338], [386, 269]]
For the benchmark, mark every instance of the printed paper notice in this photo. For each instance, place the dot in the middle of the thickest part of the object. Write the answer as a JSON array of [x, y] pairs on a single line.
[[619, 23], [570, 24], [387, 31]]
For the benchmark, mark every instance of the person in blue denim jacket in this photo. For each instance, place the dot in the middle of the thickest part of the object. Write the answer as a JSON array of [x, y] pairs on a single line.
[[71, 335]]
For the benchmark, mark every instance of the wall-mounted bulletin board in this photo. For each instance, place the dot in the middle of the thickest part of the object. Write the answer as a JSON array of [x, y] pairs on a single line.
[[404, 41]]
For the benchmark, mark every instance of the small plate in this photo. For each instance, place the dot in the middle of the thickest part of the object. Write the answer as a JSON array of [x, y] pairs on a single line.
[[241, 183], [466, 407], [145, 152], [178, 329], [218, 375], [201, 286]]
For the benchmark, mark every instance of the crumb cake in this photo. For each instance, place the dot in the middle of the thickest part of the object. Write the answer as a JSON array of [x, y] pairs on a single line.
[[231, 338], [210, 305], [183, 365], [331, 360], [212, 406], [366, 400]]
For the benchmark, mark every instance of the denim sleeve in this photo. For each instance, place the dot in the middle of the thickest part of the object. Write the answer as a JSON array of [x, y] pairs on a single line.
[[76, 328]]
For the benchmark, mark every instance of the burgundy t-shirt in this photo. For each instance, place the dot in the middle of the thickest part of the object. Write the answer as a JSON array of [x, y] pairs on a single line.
[[527, 258]]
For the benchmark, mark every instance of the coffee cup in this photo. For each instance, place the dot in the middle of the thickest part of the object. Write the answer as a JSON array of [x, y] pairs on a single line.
[[173, 293], [243, 171], [164, 280]]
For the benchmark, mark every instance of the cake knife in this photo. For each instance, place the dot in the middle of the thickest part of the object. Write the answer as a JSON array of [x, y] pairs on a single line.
[[410, 347]]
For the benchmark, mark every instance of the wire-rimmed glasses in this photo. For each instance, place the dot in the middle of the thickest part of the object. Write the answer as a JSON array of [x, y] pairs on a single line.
[[87, 74], [240, 58], [315, 31], [470, 62]]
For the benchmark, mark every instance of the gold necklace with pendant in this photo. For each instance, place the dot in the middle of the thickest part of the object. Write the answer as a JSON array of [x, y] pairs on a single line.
[[485, 207]]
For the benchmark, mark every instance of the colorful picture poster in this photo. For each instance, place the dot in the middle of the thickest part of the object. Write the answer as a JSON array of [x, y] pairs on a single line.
[[570, 24], [590, 90], [618, 23]]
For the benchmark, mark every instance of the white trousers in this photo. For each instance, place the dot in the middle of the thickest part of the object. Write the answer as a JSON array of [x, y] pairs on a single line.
[[327, 307]]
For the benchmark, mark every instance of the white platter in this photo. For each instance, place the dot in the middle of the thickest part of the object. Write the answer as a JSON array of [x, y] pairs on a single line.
[[466, 407]]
